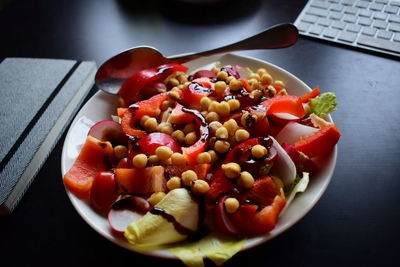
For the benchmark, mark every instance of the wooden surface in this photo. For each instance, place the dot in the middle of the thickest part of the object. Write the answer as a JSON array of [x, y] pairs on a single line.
[[356, 221]]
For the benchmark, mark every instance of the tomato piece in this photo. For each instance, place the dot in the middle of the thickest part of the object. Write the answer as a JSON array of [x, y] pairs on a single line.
[[195, 91], [150, 107], [141, 181], [200, 169], [251, 222], [149, 143], [131, 88], [104, 190], [320, 142], [284, 104], [314, 93], [94, 157]]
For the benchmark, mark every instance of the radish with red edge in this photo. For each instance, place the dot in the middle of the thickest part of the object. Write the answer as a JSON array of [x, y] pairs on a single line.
[[108, 130], [126, 211], [293, 131], [281, 119], [221, 219], [284, 167]]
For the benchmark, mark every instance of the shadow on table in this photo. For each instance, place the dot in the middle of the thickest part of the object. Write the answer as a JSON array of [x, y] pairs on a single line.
[[194, 13]]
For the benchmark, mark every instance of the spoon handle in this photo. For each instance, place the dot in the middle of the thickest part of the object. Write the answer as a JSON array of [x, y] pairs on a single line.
[[279, 36]]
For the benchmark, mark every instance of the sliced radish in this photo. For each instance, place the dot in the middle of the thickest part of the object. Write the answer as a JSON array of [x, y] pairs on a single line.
[[284, 167], [281, 119], [108, 130], [293, 131], [221, 219], [244, 72], [126, 211]]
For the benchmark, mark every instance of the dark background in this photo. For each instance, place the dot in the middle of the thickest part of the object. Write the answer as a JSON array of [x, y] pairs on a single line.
[[356, 222]]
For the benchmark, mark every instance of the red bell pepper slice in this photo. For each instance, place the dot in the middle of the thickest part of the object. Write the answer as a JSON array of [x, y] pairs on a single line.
[[196, 90], [320, 142], [130, 89], [284, 104], [314, 93], [150, 107]]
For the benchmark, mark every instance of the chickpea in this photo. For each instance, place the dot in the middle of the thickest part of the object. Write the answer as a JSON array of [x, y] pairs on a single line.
[[234, 104], [173, 82], [223, 109], [189, 128], [188, 177], [213, 155], [255, 76], [231, 126], [178, 135], [143, 120], [222, 133], [231, 204], [270, 91], [214, 125], [165, 127], [222, 146], [229, 79], [153, 159], [203, 157], [173, 183], [222, 75], [256, 94], [120, 152], [215, 70], [259, 151], [182, 78], [205, 102], [204, 113], [139, 161], [166, 162], [151, 124], [279, 83], [248, 120], [178, 159], [220, 87], [266, 78], [163, 152], [261, 71], [212, 116], [241, 135], [282, 92], [155, 198], [213, 106], [246, 180], [200, 187], [231, 170], [191, 138], [174, 95], [235, 85]]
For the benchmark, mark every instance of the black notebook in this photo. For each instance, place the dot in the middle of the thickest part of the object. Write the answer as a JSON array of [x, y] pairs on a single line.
[[39, 97]]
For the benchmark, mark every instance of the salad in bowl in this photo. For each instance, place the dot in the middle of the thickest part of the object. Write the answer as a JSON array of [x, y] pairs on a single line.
[[201, 160]]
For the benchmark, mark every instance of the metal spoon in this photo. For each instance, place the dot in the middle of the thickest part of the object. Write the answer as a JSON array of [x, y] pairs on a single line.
[[117, 69]]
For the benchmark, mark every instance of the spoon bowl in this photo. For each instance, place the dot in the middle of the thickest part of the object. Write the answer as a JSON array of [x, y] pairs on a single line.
[[117, 69]]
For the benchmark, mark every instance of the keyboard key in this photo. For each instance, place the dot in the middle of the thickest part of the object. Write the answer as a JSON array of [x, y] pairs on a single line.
[[330, 33], [395, 3], [324, 22], [350, 18], [353, 28], [336, 7], [394, 27], [317, 12], [364, 21], [380, 15], [303, 26], [391, 9], [335, 15], [376, 6], [347, 36], [348, 2], [365, 13], [362, 4], [396, 37], [382, 1], [334, 1], [316, 29], [384, 34], [310, 18], [338, 25], [350, 10], [379, 24], [369, 31], [379, 43], [320, 4], [394, 18]]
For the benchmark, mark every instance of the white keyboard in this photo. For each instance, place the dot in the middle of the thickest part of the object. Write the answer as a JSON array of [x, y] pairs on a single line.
[[367, 24]]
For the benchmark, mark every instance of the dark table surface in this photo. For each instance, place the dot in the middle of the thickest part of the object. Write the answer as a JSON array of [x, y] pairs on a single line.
[[356, 222]]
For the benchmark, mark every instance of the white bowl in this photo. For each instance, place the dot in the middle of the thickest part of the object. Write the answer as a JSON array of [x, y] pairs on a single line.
[[101, 106]]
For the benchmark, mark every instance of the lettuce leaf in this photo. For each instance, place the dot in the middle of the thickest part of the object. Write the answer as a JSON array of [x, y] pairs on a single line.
[[218, 248], [299, 185], [324, 104]]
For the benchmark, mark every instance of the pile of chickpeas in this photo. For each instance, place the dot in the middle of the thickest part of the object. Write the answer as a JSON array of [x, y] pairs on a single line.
[[222, 136]]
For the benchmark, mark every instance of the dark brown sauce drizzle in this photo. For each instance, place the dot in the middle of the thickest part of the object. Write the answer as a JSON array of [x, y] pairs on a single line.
[[198, 87], [178, 227], [203, 123]]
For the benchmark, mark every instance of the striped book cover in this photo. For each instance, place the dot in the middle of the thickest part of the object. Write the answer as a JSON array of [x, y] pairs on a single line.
[[39, 98]]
